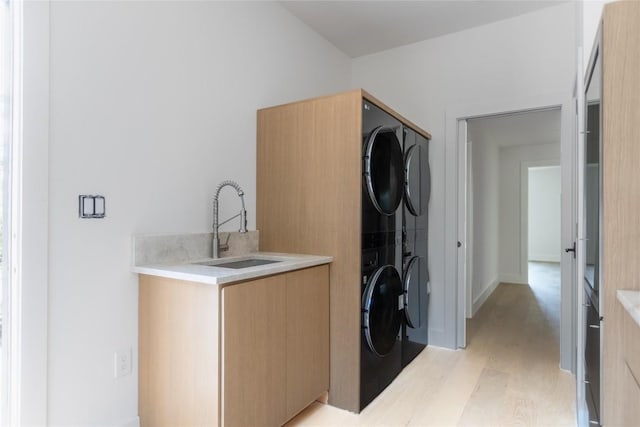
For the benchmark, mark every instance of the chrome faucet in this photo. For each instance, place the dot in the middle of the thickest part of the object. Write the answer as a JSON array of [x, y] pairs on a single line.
[[216, 225]]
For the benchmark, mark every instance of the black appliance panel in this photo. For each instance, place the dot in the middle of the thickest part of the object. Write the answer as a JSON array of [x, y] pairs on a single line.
[[592, 356], [415, 331], [383, 171], [417, 188], [592, 174], [415, 293], [593, 217], [382, 316], [417, 179], [381, 352]]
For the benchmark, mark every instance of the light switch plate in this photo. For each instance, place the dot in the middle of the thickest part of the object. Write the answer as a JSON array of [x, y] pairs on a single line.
[[91, 206]]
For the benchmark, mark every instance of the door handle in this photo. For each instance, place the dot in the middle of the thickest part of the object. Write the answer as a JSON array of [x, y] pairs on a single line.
[[594, 326], [572, 249]]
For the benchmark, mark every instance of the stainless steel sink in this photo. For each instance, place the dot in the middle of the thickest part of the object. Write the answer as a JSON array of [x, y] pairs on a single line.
[[245, 263]]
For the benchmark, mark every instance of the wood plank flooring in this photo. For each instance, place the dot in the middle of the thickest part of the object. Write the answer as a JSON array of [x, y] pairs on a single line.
[[508, 375]]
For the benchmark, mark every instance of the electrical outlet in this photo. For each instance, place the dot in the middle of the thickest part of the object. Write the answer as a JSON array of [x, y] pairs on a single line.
[[122, 361]]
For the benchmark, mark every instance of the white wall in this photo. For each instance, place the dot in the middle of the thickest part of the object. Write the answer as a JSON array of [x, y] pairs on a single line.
[[152, 105], [513, 263], [486, 212], [544, 214], [514, 61]]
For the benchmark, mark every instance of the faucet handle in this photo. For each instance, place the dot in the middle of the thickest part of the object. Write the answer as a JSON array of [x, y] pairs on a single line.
[[243, 221]]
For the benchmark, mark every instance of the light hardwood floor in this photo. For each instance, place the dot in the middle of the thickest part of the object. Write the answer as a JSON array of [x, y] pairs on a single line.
[[508, 375]]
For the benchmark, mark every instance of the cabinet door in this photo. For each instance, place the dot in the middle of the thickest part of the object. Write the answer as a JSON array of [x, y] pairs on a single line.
[[307, 337], [253, 364], [178, 353], [630, 406]]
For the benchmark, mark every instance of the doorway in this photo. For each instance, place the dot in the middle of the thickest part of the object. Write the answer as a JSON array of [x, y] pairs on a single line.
[[544, 249], [500, 151]]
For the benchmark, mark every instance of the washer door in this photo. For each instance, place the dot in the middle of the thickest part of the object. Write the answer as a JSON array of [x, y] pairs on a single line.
[[417, 180], [382, 316], [383, 170]]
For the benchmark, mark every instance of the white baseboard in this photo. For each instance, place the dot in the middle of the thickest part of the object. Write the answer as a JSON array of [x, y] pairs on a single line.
[[133, 422], [486, 293], [438, 338], [544, 257], [513, 278]]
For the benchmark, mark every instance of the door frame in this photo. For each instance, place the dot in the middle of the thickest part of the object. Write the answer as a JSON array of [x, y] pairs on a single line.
[[455, 189], [27, 399]]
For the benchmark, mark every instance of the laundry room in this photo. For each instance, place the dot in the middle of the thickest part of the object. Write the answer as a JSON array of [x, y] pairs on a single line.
[[333, 159]]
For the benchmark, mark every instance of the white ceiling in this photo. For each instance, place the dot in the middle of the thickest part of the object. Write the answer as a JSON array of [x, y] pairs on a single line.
[[362, 27], [528, 128]]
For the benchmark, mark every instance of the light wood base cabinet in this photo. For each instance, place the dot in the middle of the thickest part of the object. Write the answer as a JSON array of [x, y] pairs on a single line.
[[627, 412], [178, 353], [307, 329], [273, 344]]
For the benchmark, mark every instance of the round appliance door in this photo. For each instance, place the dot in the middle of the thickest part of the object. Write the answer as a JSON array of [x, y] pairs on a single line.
[[417, 180], [416, 288], [383, 170], [382, 317]]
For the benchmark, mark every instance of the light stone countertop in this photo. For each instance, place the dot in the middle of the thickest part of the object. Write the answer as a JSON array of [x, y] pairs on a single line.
[[631, 302], [190, 271]]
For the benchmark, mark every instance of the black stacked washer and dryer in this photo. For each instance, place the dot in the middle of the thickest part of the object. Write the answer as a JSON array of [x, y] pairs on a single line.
[[383, 174], [394, 249], [417, 189]]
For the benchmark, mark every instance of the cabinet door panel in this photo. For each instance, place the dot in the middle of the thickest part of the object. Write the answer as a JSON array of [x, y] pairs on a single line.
[[631, 399], [254, 346], [307, 337], [178, 353]]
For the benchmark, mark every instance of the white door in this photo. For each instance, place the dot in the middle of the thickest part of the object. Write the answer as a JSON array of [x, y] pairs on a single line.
[[463, 247]]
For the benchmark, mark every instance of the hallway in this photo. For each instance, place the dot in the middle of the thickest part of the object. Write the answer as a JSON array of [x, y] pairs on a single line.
[[508, 374]]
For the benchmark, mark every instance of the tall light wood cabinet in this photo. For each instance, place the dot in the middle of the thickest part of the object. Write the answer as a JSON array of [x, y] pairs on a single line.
[[308, 182], [620, 162], [251, 353], [309, 186]]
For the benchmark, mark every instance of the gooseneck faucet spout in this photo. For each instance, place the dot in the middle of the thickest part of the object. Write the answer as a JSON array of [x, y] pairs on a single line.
[[243, 215]]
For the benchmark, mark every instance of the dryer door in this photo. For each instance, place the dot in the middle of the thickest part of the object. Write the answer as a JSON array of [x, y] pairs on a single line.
[[417, 179], [383, 170], [380, 307], [415, 288]]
